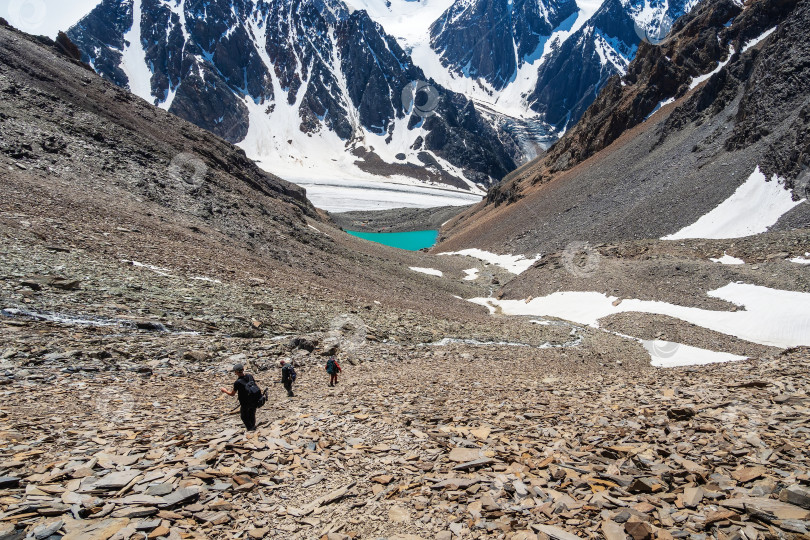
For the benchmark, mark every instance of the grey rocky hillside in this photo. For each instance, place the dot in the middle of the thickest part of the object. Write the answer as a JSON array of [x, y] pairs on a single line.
[[622, 174], [93, 170], [492, 40], [560, 453]]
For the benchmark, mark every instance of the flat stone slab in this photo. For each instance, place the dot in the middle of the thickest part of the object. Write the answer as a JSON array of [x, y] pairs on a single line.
[[555, 532], [781, 510], [180, 496], [456, 483], [9, 481], [135, 512], [98, 529], [475, 464], [116, 480], [463, 455]]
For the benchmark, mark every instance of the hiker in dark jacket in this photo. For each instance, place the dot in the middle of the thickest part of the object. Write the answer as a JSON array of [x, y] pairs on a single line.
[[287, 377], [247, 409], [333, 368]]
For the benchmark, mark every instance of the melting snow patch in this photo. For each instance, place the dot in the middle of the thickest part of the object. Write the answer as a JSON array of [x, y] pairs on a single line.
[[727, 259], [472, 274], [754, 42], [801, 260], [57, 317], [667, 354], [663, 103], [208, 279], [517, 264], [770, 316], [752, 209], [450, 341], [429, 271], [474, 342], [153, 268], [697, 80]]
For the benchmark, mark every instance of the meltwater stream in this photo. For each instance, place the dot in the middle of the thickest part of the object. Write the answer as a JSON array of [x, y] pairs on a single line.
[[78, 320]]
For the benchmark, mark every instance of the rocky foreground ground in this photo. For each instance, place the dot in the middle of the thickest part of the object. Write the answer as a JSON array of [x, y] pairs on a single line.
[[128, 437]]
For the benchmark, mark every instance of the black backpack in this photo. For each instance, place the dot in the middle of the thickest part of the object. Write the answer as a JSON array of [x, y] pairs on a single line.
[[262, 399], [288, 373], [254, 393]]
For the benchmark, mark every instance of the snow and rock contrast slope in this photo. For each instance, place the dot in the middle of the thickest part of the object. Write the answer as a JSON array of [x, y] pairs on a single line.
[[696, 156], [534, 67], [625, 173], [314, 88], [141, 257], [308, 88]]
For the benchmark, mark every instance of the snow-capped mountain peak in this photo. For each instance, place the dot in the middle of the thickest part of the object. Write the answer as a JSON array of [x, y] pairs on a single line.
[[304, 86], [320, 87]]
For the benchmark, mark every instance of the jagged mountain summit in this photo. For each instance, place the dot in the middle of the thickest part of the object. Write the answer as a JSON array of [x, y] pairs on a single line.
[[532, 66], [574, 73], [449, 93], [302, 86], [492, 40], [705, 136]]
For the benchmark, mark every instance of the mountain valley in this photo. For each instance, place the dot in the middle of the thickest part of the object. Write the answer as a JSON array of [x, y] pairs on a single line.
[[614, 343]]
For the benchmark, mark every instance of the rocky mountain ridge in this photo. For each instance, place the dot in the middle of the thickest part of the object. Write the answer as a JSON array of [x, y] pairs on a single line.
[[492, 40], [328, 85], [654, 136], [294, 82], [545, 62]]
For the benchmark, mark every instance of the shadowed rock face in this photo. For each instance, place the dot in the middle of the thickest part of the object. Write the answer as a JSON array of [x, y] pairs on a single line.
[[491, 39], [576, 72], [623, 173], [341, 72], [102, 32], [572, 77], [699, 42]]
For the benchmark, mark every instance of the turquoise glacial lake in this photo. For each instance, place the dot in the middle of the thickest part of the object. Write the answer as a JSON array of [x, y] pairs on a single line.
[[411, 241]]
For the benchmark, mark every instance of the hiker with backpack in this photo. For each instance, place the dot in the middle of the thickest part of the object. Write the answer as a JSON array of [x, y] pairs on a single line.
[[288, 377], [333, 368], [250, 396]]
